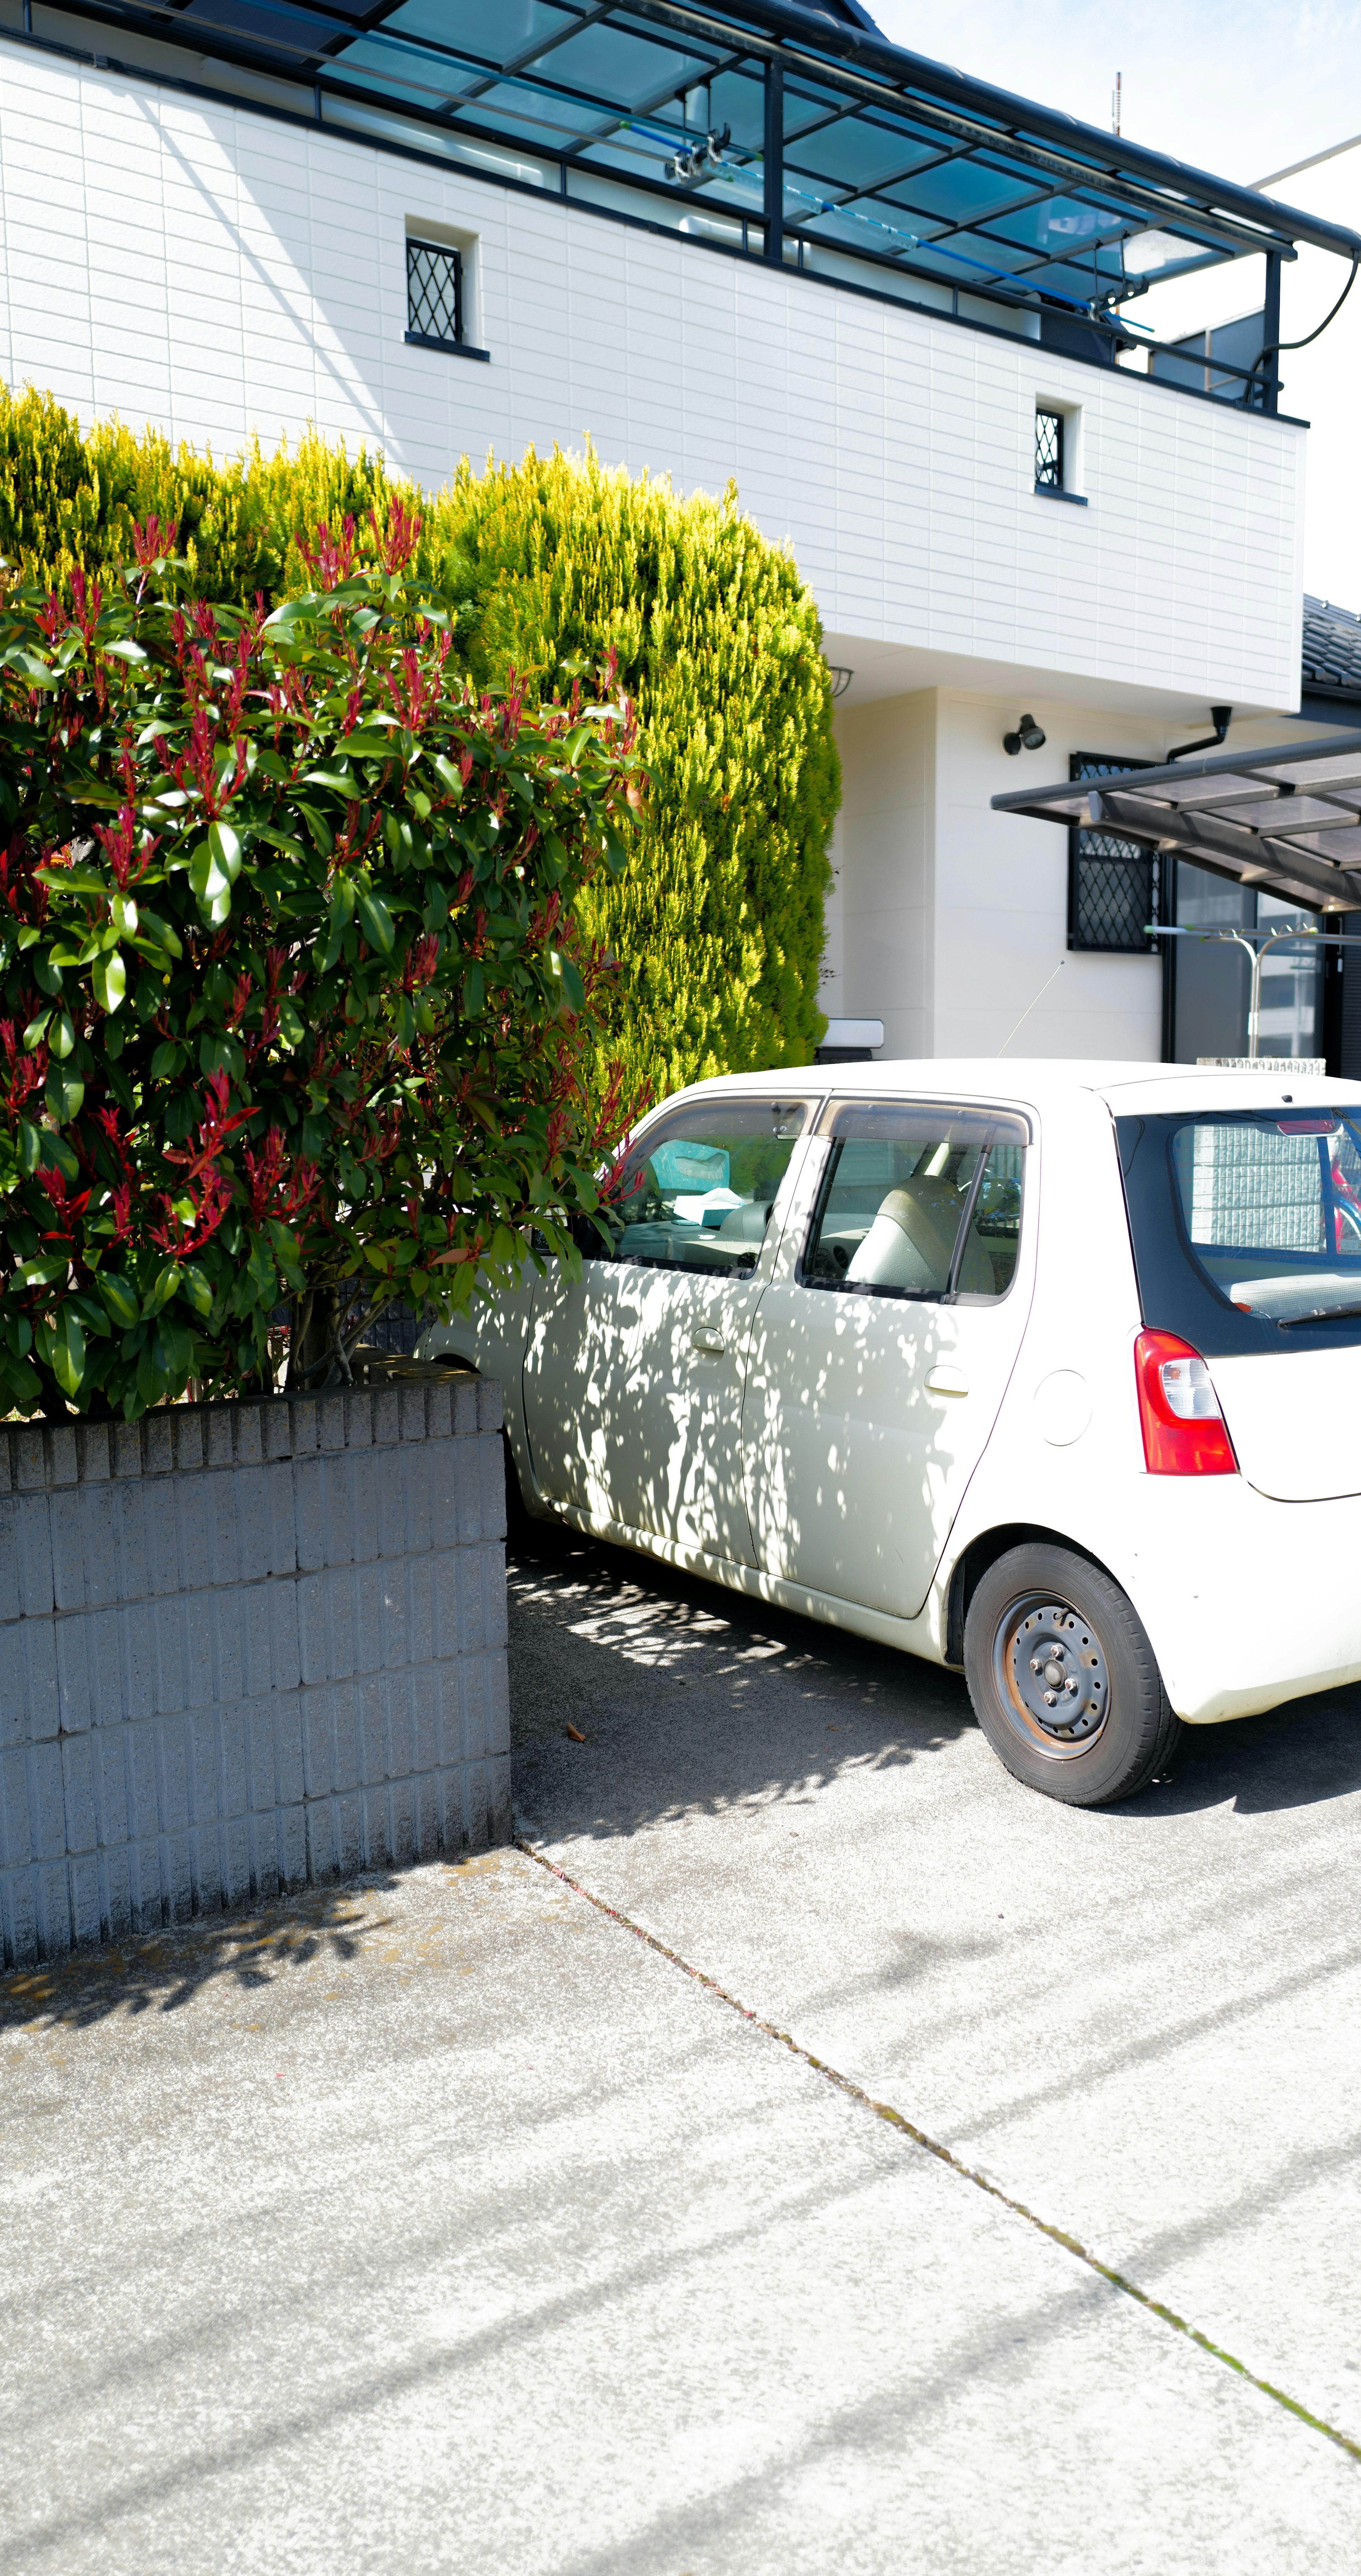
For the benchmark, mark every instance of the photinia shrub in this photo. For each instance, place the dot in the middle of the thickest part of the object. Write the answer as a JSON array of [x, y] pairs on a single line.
[[293, 1010]]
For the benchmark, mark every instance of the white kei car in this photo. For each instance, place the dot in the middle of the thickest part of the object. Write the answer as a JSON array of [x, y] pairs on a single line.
[[1049, 1371]]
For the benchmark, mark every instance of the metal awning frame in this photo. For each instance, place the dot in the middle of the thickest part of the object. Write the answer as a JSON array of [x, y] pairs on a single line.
[[1214, 811], [847, 73]]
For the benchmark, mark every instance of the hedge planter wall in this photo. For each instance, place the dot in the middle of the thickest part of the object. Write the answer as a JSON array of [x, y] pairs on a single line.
[[243, 1647]]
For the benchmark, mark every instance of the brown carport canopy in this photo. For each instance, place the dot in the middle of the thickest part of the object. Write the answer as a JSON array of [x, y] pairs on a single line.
[[1287, 820]]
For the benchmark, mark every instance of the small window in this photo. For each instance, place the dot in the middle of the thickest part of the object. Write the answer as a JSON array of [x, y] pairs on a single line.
[[1048, 450], [921, 1203], [698, 1191], [434, 294]]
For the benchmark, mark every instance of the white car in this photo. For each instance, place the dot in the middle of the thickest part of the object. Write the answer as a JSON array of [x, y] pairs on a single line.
[[1052, 1372]]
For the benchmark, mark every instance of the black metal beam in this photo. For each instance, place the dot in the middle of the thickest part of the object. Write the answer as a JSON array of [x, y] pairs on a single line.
[[773, 164]]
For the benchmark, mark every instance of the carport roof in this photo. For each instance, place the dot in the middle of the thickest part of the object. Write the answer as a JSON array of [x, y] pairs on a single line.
[[1287, 821]]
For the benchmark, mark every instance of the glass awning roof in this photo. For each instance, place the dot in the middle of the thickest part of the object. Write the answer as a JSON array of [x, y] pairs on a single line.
[[1285, 821], [887, 157]]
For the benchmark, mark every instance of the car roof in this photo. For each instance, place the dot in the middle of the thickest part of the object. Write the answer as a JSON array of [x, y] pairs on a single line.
[[1044, 1083]]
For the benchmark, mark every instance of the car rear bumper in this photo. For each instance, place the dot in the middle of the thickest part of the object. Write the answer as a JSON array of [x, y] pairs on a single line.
[[1247, 1602]]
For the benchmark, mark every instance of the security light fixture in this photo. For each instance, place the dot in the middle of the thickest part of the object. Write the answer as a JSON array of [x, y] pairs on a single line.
[[1028, 737]]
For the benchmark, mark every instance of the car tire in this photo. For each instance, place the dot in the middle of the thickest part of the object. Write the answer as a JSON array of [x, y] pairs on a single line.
[[1064, 1682]]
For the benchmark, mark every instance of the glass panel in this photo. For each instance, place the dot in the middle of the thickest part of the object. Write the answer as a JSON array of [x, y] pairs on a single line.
[[490, 35], [995, 1226], [697, 1192], [1272, 1209], [898, 1187]]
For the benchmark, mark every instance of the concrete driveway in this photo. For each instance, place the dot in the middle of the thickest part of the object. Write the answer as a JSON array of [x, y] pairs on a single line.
[[449, 2222]]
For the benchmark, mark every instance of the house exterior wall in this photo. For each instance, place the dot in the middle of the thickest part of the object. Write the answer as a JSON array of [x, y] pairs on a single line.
[[224, 274]]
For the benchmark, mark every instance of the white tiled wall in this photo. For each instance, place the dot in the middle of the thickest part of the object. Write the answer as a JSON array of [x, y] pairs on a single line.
[[948, 921], [220, 274]]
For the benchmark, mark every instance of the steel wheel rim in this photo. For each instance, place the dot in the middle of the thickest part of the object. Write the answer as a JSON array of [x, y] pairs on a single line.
[[1052, 1675]]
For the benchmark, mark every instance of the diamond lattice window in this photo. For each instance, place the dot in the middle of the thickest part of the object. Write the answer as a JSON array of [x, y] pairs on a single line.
[[434, 291], [1049, 451], [1114, 886]]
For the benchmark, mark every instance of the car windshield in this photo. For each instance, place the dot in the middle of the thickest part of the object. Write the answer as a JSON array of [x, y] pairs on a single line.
[[1246, 1224]]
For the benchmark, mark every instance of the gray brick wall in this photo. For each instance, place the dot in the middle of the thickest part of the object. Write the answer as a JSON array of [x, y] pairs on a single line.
[[243, 1646]]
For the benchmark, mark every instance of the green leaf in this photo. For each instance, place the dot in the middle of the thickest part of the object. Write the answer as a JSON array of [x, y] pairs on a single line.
[[157, 930], [168, 1060], [225, 845], [167, 1282], [472, 992], [197, 1288], [110, 982], [447, 772], [120, 1297], [318, 826], [58, 1156], [44, 1273], [377, 921], [36, 1032], [29, 1143], [61, 1347], [292, 1026], [261, 1274], [367, 743], [63, 1094], [126, 650]]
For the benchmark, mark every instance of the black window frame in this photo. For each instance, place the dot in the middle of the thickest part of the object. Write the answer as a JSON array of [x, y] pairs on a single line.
[[416, 248], [1092, 849], [1055, 481]]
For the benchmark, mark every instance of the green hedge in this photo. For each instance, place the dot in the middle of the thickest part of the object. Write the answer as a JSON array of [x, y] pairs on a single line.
[[719, 922]]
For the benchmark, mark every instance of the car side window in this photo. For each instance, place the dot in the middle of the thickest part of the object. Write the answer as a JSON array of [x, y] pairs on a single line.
[[917, 1201], [698, 1190]]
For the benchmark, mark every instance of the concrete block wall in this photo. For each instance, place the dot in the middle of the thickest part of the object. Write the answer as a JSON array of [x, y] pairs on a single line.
[[245, 1646]]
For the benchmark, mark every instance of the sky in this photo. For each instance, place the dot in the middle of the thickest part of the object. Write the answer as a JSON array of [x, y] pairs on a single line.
[[1235, 86]]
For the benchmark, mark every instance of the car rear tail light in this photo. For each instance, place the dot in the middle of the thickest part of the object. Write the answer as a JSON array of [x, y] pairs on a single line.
[[1185, 1433]]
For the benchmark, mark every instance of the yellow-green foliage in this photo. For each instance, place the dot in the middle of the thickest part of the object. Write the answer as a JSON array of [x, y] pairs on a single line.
[[718, 923], [719, 920]]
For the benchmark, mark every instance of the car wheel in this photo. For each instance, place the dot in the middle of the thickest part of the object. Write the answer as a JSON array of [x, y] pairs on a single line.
[[1063, 1680]]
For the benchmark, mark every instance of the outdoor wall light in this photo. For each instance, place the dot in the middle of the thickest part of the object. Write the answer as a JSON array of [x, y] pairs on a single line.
[[1028, 737]]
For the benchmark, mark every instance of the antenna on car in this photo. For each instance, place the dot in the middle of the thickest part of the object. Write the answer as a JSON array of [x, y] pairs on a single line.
[[1039, 997]]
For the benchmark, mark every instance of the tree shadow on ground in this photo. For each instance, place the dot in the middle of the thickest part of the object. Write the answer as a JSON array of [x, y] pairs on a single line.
[[692, 1699], [163, 1971]]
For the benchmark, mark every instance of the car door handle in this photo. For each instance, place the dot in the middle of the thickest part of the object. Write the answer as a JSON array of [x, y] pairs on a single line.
[[946, 1381], [705, 1338]]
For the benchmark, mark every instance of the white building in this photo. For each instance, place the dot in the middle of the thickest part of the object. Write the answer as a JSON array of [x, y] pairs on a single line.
[[747, 240]]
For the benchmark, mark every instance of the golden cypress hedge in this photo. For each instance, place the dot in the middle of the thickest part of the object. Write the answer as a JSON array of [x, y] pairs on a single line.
[[718, 922]]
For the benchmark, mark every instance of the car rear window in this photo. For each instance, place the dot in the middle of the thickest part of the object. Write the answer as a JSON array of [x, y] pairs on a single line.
[[1246, 1224]]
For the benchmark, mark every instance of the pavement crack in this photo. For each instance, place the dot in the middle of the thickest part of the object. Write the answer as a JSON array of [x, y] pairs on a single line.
[[981, 2181]]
